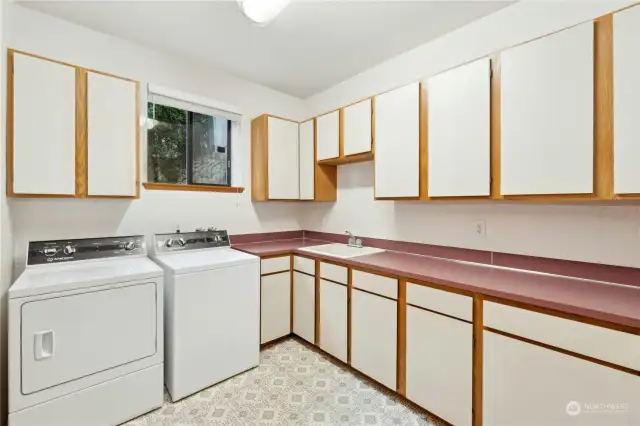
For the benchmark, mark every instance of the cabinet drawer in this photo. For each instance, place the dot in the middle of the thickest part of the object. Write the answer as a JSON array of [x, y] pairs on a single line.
[[333, 272], [303, 264], [275, 264], [441, 301], [377, 284], [598, 342]]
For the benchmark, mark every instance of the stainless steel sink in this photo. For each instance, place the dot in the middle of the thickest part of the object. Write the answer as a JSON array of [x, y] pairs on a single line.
[[341, 250]]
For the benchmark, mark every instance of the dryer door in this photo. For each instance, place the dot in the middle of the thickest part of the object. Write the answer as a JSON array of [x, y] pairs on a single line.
[[69, 337]]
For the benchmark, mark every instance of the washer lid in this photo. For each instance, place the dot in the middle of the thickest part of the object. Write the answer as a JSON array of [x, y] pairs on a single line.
[[46, 279], [204, 260]]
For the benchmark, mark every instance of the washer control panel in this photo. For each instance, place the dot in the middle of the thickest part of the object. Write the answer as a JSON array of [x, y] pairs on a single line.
[[182, 241], [59, 251]]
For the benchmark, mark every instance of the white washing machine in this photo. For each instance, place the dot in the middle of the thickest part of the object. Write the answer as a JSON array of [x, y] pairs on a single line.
[[85, 334], [212, 310]]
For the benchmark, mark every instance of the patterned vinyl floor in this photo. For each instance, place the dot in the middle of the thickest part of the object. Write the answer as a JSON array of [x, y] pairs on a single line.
[[293, 385]]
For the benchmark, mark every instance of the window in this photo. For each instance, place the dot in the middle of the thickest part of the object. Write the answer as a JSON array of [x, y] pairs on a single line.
[[188, 144]]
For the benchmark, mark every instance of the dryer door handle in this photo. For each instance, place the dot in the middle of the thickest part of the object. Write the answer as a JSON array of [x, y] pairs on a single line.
[[44, 345]]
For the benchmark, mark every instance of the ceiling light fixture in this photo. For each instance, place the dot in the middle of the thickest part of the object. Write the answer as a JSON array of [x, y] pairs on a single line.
[[262, 11]]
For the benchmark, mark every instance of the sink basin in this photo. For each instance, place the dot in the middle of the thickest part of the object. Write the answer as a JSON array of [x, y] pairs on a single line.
[[341, 250]]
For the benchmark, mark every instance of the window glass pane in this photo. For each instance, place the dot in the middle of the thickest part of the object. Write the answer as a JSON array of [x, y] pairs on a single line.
[[167, 144], [210, 150]]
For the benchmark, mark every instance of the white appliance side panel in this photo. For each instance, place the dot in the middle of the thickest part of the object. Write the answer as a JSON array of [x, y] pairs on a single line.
[[328, 133], [307, 161], [215, 330], [397, 139], [626, 101], [67, 338], [275, 306], [547, 114], [333, 319], [283, 159], [357, 128], [304, 306], [459, 131], [111, 135], [109, 403], [44, 161]]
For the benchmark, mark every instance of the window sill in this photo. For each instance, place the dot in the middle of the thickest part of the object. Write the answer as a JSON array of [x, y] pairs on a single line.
[[180, 187]]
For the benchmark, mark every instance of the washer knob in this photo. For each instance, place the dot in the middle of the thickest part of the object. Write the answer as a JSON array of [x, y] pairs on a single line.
[[169, 242], [68, 250], [182, 242], [129, 245]]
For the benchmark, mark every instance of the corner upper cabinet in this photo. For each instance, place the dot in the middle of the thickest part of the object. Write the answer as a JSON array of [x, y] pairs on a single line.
[[41, 127], [328, 136], [274, 151], [307, 160], [459, 131], [626, 98], [398, 147], [112, 136], [547, 115], [356, 128]]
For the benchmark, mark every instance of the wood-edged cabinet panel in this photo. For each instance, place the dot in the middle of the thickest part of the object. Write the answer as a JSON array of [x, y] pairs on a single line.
[[547, 114], [328, 134], [374, 336], [440, 365], [518, 376], [304, 306], [282, 155], [307, 160], [112, 136], [42, 124], [626, 98], [333, 319], [397, 138], [275, 306], [459, 131], [356, 137]]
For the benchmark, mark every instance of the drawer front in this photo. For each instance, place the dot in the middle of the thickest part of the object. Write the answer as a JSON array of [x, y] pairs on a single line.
[[598, 342], [377, 284], [275, 264], [333, 272], [441, 301], [303, 264]]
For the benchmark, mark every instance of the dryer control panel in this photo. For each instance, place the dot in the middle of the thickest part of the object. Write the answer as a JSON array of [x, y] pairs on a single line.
[[182, 241], [59, 251]]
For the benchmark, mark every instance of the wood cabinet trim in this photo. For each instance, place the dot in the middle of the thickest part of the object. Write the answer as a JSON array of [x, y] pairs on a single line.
[[291, 304], [494, 132], [603, 108], [317, 304], [153, 186], [349, 290], [375, 294], [82, 148], [401, 369], [476, 404], [442, 314]]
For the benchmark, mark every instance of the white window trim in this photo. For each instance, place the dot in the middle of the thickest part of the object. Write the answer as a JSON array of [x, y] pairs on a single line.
[[230, 110]]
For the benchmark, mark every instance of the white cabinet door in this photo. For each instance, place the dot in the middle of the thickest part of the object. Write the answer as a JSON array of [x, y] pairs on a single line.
[[459, 131], [547, 114], [440, 365], [626, 101], [44, 127], [307, 161], [374, 332], [112, 136], [328, 132], [527, 385], [283, 159], [304, 306], [275, 306], [397, 136], [333, 319], [357, 128]]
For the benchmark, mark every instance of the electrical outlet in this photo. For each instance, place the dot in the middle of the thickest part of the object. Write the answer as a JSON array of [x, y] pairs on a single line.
[[480, 228]]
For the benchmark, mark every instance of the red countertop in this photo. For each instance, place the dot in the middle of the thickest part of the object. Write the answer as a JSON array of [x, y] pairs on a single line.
[[615, 303]]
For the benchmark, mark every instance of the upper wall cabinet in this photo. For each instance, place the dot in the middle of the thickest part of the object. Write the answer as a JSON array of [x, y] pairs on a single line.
[[397, 138], [328, 134], [626, 98], [84, 140], [307, 160], [356, 128], [112, 136], [459, 131], [547, 115]]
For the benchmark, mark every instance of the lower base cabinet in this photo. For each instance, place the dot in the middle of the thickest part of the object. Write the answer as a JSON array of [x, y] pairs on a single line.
[[275, 306], [374, 336], [333, 319], [440, 365], [304, 306], [528, 385]]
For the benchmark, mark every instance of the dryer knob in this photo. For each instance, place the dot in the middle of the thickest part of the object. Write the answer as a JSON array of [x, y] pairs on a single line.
[[68, 250], [129, 245]]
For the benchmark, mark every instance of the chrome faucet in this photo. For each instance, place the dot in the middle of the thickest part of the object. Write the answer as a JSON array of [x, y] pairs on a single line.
[[353, 241]]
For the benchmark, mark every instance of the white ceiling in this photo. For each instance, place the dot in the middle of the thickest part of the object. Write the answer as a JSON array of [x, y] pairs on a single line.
[[310, 47]]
